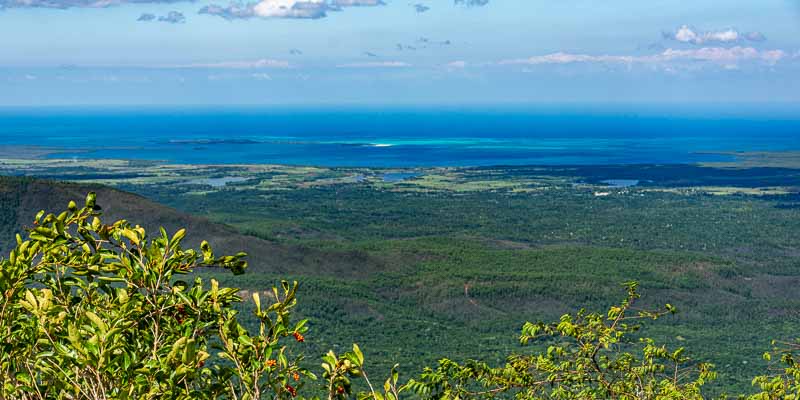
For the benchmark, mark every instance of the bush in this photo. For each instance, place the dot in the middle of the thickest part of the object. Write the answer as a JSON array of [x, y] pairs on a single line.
[[587, 356], [97, 311]]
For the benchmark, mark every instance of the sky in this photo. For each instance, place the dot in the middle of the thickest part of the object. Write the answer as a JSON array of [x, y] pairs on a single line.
[[150, 52]]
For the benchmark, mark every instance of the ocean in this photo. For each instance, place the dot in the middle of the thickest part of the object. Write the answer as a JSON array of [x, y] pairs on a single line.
[[401, 136]]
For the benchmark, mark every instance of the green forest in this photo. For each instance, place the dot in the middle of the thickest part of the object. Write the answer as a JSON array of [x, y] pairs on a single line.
[[450, 265]]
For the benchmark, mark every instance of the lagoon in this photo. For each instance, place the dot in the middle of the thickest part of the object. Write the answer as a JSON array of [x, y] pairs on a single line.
[[396, 137]]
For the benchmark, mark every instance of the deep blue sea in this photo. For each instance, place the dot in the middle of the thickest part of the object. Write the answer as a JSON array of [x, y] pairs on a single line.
[[403, 136]]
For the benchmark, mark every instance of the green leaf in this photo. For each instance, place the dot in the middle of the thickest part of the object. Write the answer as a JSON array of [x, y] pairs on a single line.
[[97, 321], [359, 355], [208, 255], [178, 237], [91, 200], [257, 301], [111, 279], [189, 351]]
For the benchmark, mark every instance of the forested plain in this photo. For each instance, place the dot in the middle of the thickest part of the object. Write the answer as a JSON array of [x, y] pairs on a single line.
[[435, 267]]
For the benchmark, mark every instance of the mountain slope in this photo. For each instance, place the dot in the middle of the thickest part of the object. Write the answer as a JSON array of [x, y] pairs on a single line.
[[22, 198]]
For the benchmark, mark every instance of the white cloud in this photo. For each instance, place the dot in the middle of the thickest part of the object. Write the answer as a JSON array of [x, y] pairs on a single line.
[[456, 65], [723, 55], [290, 9], [376, 64], [303, 9], [773, 56], [65, 4], [687, 34], [567, 58], [716, 55], [755, 36], [257, 64], [726, 36], [472, 3]]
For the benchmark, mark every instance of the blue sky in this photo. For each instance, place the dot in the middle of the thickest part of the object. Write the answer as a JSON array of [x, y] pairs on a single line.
[[56, 52]]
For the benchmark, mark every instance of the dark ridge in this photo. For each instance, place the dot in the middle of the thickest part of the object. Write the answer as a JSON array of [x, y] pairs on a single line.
[[22, 197]]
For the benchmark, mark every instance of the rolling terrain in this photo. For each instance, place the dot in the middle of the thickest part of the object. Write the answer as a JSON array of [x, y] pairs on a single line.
[[451, 262]]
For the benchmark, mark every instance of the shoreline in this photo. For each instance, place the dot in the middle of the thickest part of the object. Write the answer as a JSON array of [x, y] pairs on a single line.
[[26, 152], [763, 174]]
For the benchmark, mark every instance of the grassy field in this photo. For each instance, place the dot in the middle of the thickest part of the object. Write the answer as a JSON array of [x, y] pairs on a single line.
[[451, 261]]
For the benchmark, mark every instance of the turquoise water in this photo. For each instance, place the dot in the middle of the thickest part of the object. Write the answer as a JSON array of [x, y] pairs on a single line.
[[400, 137], [398, 176], [621, 183]]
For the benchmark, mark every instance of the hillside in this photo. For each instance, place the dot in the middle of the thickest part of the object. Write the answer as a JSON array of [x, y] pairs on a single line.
[[22, 198]]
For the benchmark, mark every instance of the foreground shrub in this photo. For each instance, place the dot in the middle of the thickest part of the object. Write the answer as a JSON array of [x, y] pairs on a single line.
[[582, 356], [783, 380], [97, 311]]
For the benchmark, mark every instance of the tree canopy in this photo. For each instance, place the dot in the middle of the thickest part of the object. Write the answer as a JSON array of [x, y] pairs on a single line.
[[92, 310]]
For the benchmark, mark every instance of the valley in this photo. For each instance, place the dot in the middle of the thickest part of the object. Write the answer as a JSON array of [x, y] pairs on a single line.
[[420, 263]]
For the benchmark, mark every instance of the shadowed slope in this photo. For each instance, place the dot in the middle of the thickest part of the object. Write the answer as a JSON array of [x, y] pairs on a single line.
[[22, 198]]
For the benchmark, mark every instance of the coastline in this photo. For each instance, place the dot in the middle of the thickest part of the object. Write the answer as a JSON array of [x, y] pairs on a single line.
[[758, 173]]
